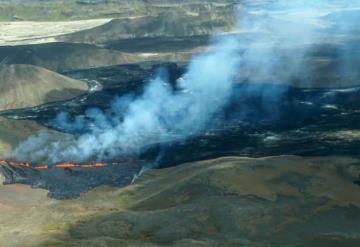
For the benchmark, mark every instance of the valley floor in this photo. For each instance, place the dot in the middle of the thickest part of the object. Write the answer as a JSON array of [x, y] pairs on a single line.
[[33, 32]]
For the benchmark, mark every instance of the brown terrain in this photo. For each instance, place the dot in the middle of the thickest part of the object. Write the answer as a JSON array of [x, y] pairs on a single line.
[[232, 201], [26, 85]]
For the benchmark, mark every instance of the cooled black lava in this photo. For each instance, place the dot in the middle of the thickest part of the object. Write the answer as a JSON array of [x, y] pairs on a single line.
[[259, 120]]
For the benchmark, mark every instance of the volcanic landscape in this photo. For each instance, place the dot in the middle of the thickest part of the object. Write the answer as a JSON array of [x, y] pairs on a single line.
[[180, 123]]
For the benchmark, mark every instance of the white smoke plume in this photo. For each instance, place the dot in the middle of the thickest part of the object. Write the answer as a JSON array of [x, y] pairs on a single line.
[[281, 32], [158, 115]]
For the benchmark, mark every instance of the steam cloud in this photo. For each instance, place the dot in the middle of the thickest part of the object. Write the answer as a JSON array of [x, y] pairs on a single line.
[[274, 53], [158, 115]]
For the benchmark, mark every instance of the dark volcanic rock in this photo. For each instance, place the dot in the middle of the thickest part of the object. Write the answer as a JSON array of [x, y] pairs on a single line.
[[13, 175], [71, 182]]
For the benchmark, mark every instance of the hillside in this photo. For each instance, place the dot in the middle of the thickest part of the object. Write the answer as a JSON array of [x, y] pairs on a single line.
[[65, 56], [10, 136], [27, 85], [233, 201], [166, 24], [59, 10]]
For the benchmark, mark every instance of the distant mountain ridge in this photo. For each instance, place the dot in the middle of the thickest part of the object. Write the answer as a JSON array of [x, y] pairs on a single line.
[[167, 24], [60, 56], [64, 56], [55, 10]]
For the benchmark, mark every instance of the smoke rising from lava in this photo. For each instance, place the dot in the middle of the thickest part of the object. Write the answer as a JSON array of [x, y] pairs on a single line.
[[274, 53], [158, 115]]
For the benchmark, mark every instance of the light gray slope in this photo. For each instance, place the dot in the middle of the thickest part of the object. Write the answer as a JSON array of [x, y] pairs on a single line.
[[27, 85]]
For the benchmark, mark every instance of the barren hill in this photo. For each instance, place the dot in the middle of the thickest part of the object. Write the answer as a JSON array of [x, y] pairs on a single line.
[[60, 10], [26, 86], [10, 136], [64, 56], [167, 24]]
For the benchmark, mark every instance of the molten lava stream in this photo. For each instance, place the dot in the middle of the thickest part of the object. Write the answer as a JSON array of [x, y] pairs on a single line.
[[15, 163], [65, 165], [41, 167]]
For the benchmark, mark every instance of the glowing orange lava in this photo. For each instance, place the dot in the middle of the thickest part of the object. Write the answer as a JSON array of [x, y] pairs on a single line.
[[65, 165]]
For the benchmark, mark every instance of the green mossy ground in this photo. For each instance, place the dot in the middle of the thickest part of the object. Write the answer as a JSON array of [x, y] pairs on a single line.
[[276, 201]]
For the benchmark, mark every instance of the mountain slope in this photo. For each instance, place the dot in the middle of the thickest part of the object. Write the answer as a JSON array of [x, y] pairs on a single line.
[[65, 56], [166, 24], [26, 86], [233, 201], [10, 136], [58, 10]]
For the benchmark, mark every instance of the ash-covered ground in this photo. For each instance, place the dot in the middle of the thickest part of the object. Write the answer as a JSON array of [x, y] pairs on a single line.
[[66, 183]]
